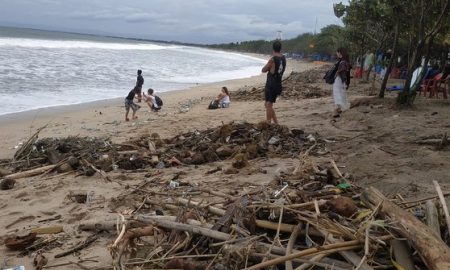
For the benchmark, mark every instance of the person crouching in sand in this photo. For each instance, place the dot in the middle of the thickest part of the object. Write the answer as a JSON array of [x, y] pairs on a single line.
[[151, 101], [129, 103]]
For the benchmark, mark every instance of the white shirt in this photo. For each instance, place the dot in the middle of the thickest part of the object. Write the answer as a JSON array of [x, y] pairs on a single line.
[[225, 99], [152, 99]]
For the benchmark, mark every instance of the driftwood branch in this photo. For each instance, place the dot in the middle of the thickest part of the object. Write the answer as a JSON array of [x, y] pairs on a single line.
[[290, 245], [30, 173], [433, 251]]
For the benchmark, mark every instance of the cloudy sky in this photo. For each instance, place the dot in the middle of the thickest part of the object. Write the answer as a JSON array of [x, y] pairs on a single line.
[[198, 21]]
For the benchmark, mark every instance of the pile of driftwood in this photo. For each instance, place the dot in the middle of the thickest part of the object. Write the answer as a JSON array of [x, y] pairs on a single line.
[[298, 85], [87, 155], [310, 216], [288, 224], [63, 155], [244, 140]]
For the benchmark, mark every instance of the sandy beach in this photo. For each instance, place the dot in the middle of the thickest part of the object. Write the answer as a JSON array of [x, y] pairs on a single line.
[[373, 144]]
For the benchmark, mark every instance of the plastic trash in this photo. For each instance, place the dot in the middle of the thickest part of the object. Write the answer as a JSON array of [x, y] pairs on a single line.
[[160, 165], [174, 184], [274, 140], [344, 185]]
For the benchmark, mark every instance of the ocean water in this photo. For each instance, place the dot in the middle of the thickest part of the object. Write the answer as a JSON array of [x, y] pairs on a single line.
[[41, 68]]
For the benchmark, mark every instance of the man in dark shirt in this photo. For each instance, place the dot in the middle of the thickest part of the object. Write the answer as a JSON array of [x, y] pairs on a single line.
[[139, 83], [129, 103], [275, 68]]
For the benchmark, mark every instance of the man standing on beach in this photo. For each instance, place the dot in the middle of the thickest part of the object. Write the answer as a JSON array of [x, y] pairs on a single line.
[[139, 83], [275, 68]]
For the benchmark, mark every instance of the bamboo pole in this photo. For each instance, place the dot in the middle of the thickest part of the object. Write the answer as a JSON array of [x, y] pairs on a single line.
[[30, 173], [331, 248]]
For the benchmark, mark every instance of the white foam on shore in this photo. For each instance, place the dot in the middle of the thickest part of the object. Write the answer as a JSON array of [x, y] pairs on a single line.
[[244, 72], [77, 44]]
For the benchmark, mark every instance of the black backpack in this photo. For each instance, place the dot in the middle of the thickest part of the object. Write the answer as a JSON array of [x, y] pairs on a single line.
[[331, 74], [213, 105], [159, 101]]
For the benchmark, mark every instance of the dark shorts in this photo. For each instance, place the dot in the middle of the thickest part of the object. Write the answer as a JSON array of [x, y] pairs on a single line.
[[270, 95], [130, 104]]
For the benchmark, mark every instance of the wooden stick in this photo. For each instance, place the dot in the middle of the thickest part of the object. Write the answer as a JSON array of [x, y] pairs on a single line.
[[306, 205], [333, 163], [432, 216], [122, 231], [212, 209], [366, 247], [127, 237], [331, 248], [316, 258], [171, 258], [444, 204], [29, 173], [327, 264], [264, 224], [27, 147], [424, 199], [195, 226], [91, 239], [433, 251], [402, 254], [349, 255], [168, 224], [290, 244], [216, 193]]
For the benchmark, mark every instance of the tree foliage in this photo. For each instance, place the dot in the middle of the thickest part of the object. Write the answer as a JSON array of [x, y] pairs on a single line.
[[421, 25], [414, 30], [324, 43]]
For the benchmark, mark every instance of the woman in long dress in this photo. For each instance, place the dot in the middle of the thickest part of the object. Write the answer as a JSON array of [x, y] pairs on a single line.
[[341, 82]]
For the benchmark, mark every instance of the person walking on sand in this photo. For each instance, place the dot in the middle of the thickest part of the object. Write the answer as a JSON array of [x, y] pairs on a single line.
[[129, 103], [341, 83], [275, 68], [139, 83]]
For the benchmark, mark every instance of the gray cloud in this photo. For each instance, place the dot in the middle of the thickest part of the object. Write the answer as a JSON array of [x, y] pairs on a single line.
[[203, 21]]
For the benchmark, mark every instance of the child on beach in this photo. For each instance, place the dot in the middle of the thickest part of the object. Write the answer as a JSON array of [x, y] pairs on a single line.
[[129, 103], [153, 102], [224, 98]]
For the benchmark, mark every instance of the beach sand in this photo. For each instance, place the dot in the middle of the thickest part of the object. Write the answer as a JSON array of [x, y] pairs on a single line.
[[372, 143]]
